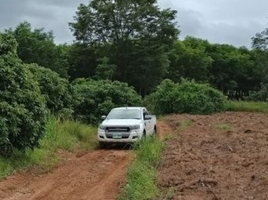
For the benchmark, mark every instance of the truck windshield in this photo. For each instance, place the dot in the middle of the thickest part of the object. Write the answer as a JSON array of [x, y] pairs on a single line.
[[124, 114]]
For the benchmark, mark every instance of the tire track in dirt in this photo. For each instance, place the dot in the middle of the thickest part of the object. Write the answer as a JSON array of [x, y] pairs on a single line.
[[97, 175]]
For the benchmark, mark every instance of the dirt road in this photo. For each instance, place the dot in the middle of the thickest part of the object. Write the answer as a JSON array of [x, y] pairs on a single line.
[[97, 175], [218, 157]]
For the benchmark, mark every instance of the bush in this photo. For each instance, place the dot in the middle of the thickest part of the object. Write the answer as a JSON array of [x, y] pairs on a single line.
[[95, 98], [56, 90], [198, 99], [261, 95], [161, 101], [22, 107], [186, 97]]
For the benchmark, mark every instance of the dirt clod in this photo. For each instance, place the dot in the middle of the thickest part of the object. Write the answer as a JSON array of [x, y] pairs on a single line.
[[205, 162]]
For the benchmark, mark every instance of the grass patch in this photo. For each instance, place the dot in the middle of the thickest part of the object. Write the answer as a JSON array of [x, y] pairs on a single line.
[[184, 124], [246, 106], [65, 135], [225, 127], [141, 176]]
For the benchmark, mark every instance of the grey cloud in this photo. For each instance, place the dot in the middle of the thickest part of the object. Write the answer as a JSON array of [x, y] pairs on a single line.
[[221, 21], [49, 14], [190, 22]]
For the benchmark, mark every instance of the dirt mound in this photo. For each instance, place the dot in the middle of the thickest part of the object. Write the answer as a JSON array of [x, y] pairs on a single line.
[[222, 156]]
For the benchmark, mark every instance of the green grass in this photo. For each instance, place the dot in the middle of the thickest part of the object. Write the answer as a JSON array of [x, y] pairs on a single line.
[[224, 126], [184, 124], [246, 106], [60, 135], [141, 175]]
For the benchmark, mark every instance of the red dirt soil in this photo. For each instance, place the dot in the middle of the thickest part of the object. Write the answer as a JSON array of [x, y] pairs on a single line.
[[96, 175], [218, 157]]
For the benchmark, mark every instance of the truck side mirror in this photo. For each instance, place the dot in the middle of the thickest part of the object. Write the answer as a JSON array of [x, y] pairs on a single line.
[[103, 117], [147, 117]]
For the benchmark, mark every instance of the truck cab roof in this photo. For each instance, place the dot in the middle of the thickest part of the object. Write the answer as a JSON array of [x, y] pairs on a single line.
[[130, 107]]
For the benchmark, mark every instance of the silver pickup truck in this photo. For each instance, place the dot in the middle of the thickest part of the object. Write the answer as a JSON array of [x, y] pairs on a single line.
[[126, 125]]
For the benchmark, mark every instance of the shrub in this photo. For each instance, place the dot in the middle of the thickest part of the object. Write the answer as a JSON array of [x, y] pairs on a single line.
[[261, 95], [186, 97], [95, 98], [22, 107], [161, 101], [56, 90], [198, 99]]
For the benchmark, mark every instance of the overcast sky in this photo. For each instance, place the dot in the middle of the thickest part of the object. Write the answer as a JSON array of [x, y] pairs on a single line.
[[219, 21]]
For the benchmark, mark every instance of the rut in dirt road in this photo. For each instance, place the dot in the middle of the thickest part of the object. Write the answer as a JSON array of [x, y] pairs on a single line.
[[98, 175]]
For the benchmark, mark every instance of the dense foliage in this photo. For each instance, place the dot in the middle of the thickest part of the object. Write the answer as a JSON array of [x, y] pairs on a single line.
[[95, 98], [135, 36], [137, 42], [123, 50], [22, 107], [37, 46], [56, 90], [261, 95], [186, 97]]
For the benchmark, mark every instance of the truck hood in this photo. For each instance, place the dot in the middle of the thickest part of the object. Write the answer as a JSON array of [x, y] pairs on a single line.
[[121, 122]]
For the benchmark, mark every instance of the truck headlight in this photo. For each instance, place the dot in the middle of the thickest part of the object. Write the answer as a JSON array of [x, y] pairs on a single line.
[[135, 127], [102, 127]]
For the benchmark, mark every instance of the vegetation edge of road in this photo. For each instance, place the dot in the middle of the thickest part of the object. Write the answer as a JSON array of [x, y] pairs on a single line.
[[66, 135]]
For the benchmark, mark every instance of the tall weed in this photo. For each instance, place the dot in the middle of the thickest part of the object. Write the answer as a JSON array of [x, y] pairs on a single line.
[[60, 135], [142, 173]]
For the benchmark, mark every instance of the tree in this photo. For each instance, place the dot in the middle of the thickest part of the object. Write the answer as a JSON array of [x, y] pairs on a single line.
[[82, 61], [22, 107], [260, 52], [37, 46], [231, 69], [135, 35], [260, 41], [260, 47], [104, 70], [190, 60]]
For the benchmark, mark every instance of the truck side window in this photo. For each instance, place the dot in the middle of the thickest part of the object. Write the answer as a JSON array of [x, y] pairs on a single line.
[[145, 112]]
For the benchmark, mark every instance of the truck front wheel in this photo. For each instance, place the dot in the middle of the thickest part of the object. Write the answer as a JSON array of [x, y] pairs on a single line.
[[144, 134], [102, 145], [155, 129]]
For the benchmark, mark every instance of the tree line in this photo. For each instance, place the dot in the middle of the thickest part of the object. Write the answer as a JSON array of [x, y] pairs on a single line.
[[136, 42], [123, 50]]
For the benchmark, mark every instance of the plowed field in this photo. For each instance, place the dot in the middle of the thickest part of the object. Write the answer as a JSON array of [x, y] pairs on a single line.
[[216, 157]]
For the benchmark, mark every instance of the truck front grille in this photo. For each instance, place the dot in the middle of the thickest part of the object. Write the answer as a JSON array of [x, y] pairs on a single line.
[[124, 131], [118, 129]]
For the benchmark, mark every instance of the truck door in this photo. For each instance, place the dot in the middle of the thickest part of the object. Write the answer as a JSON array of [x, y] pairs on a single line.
[[147, 122]]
